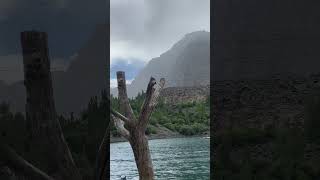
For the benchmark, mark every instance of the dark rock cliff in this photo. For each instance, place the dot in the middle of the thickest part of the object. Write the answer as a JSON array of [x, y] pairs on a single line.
[[175, 95], [262, 103]]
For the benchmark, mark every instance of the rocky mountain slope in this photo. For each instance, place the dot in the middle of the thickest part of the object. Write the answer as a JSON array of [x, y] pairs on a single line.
[[176, 95], [263, 103], [86, 76], [251, 116], [186, 64]]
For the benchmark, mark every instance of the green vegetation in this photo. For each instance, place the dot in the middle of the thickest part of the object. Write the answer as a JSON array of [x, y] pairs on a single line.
[[84, 133], [238, 158], [281, 153], [185, 118], [12, 128]]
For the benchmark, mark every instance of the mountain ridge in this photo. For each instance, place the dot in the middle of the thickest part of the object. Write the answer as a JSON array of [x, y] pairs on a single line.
[[177, 65]]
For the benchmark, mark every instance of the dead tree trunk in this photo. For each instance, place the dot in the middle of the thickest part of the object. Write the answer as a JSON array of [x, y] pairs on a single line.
[[47, 148], [133, 129]]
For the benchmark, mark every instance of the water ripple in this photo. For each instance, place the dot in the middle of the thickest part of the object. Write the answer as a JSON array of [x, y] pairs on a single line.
[[180, 158]]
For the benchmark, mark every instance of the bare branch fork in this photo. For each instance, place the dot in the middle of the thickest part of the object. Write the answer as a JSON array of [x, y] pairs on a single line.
[[133, 129]]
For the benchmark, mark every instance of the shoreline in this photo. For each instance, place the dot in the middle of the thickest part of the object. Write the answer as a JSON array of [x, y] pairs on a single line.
[[152, 137]]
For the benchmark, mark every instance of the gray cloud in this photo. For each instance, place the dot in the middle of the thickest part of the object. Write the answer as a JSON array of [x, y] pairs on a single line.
[[6, 8], [69, 24], [147, 28], [11, 67]]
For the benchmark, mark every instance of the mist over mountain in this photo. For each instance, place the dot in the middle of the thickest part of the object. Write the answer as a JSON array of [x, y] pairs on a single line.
[[186, 64], [86, 76]]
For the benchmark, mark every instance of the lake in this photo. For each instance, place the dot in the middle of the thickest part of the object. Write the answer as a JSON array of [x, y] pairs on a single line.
[[177, 158]]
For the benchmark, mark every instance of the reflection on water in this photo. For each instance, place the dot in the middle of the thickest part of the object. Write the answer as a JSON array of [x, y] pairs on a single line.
[[179, 158]]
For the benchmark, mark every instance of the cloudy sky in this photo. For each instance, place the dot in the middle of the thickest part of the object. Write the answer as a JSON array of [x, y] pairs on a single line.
[[69, 24], [144, 29], [140, 29]]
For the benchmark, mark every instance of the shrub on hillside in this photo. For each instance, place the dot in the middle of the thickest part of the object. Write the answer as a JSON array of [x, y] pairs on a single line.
[[151, 130]]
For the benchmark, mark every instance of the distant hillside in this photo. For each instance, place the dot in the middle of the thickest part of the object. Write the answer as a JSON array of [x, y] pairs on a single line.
[[186, 64], [180, 110], [177, 95], [86, 76]]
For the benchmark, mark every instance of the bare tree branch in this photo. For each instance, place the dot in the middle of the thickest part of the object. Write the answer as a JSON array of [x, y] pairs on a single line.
[[103, 156], [159, 87], [152, 94], [119, 124], [118, 115], [134, 131], [123, 97], [13, 159], [146, 108]]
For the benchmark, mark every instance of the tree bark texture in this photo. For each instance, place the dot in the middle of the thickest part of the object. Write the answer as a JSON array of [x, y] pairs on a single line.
[[132, 128], [47, 148]]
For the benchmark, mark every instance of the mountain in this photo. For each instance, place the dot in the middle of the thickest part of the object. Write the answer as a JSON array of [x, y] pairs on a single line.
[[86, 76], [186, 64]]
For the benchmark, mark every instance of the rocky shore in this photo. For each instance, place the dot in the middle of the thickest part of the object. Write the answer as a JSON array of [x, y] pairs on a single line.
[[159, 136]]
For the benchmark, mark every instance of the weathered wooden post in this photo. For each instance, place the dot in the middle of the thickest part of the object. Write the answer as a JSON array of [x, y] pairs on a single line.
[[133, 129], [47, 147]]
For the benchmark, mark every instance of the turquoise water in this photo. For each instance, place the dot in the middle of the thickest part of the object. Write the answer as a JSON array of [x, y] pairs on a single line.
[[178, 158]]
